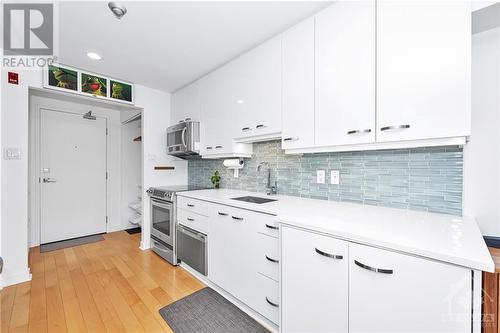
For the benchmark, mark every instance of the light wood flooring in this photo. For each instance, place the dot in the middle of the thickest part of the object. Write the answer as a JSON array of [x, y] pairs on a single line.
[[108, 286]]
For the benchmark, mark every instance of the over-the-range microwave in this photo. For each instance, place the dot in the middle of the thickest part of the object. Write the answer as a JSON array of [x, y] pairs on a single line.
[[183, 139]]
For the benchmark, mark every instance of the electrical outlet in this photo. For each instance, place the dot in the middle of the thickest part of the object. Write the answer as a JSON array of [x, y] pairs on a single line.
[[335, 177], [320, 176]]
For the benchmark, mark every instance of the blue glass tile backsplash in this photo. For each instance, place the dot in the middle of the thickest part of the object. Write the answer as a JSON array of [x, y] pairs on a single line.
[[427, 179]]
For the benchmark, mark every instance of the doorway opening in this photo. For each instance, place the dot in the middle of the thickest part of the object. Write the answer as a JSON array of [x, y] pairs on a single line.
[[82, 173]]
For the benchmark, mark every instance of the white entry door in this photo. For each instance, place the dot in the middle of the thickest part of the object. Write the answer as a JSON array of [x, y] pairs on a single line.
[[72, 176]]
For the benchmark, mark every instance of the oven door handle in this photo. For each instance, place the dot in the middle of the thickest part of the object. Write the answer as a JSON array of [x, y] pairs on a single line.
[[162, 204]]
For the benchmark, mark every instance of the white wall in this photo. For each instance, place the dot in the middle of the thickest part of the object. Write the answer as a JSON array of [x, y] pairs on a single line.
[[482, 153], [14, 173], [14, 192], [155, 120]]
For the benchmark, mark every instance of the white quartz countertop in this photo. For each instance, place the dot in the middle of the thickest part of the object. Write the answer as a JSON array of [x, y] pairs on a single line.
[[447, 238]]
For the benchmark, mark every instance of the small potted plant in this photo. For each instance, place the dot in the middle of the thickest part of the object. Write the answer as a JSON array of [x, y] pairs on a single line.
[[215, 179]]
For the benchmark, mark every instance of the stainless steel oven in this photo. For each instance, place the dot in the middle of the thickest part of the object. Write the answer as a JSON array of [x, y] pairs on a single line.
[[164, 221], [183, 139], [163, 234]]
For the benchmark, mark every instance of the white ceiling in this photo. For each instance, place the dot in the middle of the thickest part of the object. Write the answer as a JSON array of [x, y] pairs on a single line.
[[167, 44]]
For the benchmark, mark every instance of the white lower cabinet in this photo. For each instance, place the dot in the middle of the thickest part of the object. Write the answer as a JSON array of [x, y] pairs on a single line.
[[237, 258], [392, 292], [314, 282], [331, 285]]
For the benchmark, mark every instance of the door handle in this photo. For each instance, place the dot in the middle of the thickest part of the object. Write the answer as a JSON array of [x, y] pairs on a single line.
[[329, 255], [48, 180], [373, 269]]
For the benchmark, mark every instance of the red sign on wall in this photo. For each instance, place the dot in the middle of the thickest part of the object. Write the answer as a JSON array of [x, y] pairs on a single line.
[[13, 78]]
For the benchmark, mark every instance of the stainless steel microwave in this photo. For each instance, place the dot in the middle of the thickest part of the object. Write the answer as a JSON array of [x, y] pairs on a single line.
[[183, 139]]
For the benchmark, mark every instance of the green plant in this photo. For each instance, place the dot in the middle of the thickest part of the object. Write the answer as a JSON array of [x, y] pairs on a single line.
[[215, 179]]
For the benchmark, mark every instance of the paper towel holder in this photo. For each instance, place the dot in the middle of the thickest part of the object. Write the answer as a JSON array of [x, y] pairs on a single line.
[[234, 164]]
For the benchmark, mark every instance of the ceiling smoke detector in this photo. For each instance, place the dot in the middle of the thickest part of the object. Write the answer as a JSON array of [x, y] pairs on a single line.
[[118, 10]]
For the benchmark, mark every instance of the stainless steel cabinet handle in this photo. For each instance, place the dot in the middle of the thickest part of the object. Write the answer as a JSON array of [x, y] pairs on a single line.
[[359, 131], [49, 180], [373, 269], [190, 205], [208, 148], [272, 260], [260, 126], [187, 119], [245, 129], [237, 218], [218, 147], [329, 255], [271, 227], [390, 128], [290, 139], [272, 303], [190, 219], [222, 214]]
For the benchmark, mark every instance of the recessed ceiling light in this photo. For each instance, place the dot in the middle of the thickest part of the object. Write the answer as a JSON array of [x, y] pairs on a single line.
[[93, 55], [240, 101]]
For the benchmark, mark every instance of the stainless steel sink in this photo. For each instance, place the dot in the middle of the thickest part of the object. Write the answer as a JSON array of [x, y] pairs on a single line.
[[256, 200]]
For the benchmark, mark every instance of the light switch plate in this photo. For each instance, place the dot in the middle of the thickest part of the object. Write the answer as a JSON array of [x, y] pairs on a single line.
[[320, 176], [12, 153], [335, 177]]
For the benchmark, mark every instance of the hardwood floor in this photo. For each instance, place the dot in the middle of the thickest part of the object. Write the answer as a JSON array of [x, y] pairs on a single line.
[[108, 286]]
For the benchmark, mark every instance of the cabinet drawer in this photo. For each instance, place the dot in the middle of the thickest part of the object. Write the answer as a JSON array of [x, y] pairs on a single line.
[[267, 225], [268, 256], [193, 220], [267, 298], [195, 206]]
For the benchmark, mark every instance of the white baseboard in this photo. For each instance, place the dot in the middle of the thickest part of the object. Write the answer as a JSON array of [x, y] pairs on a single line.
[[144, 248], [242, 306], [9, 279]]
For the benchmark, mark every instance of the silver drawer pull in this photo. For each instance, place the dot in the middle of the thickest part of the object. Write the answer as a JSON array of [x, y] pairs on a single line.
[[245, 129], [190, 205], [218, 147], [271, 227], [208, 148], [272, 260], [222, 214], [390, 128], [237, 218], [290, 139], [359, 131], [190, 219], [333, 256], [373, 269], [260, 126], [272, 303]]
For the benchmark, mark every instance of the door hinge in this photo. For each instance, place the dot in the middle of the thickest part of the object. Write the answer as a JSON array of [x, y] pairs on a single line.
[[107, 132], [107, 175], [106, 220]]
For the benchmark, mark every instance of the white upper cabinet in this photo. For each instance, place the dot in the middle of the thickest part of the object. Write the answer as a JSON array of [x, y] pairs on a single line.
[[256, 92], [298, 86], [424, 69], [345, 74], [217, 116], [186, 104]]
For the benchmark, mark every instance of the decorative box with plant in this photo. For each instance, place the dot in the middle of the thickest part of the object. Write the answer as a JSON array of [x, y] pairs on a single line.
[[215, 179]]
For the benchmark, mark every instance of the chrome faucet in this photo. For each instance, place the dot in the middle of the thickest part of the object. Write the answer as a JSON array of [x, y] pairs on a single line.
[[269, 189]]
